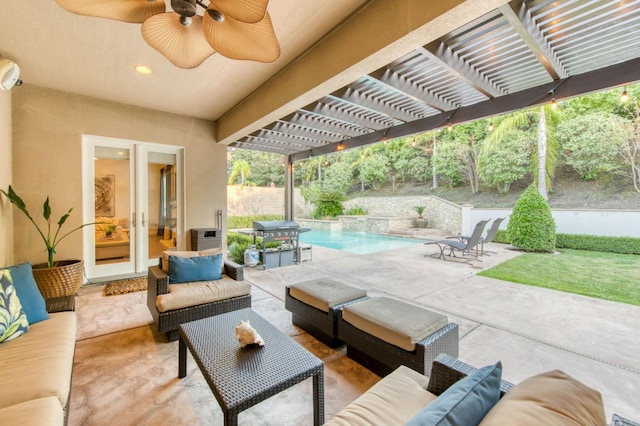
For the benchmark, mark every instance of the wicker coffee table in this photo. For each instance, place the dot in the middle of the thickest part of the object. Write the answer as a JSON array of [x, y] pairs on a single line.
[[243, 377]]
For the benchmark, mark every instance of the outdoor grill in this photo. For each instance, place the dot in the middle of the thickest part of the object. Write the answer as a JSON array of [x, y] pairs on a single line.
[[284, 231]]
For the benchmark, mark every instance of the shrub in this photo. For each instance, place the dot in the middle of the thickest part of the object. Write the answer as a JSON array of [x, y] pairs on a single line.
[[329, 205], [356, 211], [236, 251], [621, 245], [531, 226], [235, 222]]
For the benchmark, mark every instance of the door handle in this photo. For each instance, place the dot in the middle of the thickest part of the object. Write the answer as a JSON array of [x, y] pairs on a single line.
[[133, 220], [143, 221]]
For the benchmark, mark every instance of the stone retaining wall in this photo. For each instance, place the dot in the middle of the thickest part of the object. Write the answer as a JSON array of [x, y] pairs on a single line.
[[440, 213]]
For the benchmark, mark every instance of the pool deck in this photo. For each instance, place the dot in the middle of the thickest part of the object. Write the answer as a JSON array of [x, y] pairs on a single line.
[[530, 329]]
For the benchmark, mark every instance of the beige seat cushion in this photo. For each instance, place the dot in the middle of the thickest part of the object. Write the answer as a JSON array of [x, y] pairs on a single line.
[[199, 292], [391, 401], [38, 412], [186, 254], [39, 364], [393, 321], [323, 293], [552, 398]]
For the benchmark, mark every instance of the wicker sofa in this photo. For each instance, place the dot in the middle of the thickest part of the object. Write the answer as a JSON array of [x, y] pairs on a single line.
[[36, 369], [209, 297], [549, 398]]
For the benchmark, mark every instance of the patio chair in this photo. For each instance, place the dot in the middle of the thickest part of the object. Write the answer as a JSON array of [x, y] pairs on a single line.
[[464, 246], [491, 234]]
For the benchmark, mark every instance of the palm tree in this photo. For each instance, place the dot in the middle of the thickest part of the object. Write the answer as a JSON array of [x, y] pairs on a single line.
[[242, 168], [545, 160]]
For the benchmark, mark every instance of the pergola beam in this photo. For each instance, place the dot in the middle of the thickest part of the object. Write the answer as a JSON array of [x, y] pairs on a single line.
[[396, 82], [612, 76], [520, 19], [444, 57]]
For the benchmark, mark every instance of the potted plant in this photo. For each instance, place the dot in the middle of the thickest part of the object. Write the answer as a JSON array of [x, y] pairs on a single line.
[[54, 278], [109, 230], [420, 222]]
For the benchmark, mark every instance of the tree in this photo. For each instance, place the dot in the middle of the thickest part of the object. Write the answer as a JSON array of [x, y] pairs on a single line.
[[547, 149], [630, 149], [591, 143], [240, 168], [531, 226], [398, 153], [449, 164], [374, 169], [507, 162]]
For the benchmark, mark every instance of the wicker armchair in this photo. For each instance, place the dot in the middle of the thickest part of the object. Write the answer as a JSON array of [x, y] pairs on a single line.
[[168, 322]]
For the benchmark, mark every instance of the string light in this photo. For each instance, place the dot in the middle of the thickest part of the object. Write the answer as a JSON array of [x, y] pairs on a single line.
[[450, 126], [340, 147], [490, 125], [554, 103], [624, 97]]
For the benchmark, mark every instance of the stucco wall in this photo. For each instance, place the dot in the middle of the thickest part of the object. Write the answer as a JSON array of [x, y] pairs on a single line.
[[47, 130], [6, 212]]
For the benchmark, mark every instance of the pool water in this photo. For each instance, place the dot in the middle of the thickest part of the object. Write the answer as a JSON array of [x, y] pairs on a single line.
[[355, 242]]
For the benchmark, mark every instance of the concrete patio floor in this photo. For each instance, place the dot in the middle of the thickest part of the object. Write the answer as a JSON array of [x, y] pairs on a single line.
[[530, 329], [126, 373]]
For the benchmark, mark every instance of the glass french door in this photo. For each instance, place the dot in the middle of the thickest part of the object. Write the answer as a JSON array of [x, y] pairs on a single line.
[[133, 193]]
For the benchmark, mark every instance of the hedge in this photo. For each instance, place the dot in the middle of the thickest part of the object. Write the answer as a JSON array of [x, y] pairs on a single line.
[[236, 222], [622, 245]]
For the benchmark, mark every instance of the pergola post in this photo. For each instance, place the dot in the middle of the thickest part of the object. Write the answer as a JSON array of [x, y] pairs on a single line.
[[288, 188]]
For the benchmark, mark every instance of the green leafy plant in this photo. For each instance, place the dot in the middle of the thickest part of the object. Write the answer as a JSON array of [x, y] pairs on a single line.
[[329, 205], [356, 211], [420, 210], [236, 251], [531, 226], [50, 241]]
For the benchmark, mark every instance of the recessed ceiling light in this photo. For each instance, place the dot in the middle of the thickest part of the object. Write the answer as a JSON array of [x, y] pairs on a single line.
[[143, 69]]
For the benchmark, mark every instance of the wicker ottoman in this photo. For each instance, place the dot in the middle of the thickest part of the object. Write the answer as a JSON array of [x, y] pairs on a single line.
[[383, 333], [314, 306]]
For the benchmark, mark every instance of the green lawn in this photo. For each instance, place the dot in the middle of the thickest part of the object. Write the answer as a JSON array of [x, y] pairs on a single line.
[[608, 276]]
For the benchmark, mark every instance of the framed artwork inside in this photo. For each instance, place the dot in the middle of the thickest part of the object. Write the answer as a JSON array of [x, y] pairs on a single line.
[[105, 187]]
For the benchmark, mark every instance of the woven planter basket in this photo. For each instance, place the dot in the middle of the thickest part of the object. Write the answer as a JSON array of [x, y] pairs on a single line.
[[64, 279]]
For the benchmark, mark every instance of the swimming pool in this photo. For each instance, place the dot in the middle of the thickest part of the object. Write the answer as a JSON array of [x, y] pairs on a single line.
[[355, 242]]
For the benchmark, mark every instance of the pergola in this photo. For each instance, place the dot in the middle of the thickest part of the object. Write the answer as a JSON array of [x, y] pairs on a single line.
[[521, 54]]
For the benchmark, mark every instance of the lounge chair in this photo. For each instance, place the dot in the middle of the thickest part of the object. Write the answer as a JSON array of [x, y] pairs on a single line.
[[491, 234], [464, 246]]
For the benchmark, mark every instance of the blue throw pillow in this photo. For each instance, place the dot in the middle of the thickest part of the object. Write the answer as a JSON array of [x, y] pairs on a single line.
[[464, 403], [199, 268], [28, 292]]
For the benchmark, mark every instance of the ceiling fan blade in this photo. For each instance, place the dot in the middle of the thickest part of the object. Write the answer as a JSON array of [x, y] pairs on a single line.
[[239, 40], [135, 11], [184, 46], [242, 10]]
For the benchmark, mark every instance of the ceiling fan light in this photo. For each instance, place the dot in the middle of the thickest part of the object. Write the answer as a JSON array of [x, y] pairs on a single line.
[[184, 46], [240, 40], [134, 11], [241, 10]]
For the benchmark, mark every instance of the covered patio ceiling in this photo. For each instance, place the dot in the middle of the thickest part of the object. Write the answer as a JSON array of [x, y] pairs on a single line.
[[521, 54]]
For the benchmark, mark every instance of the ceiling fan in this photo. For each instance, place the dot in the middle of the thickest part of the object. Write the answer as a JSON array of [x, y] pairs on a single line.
[[237, 29]]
